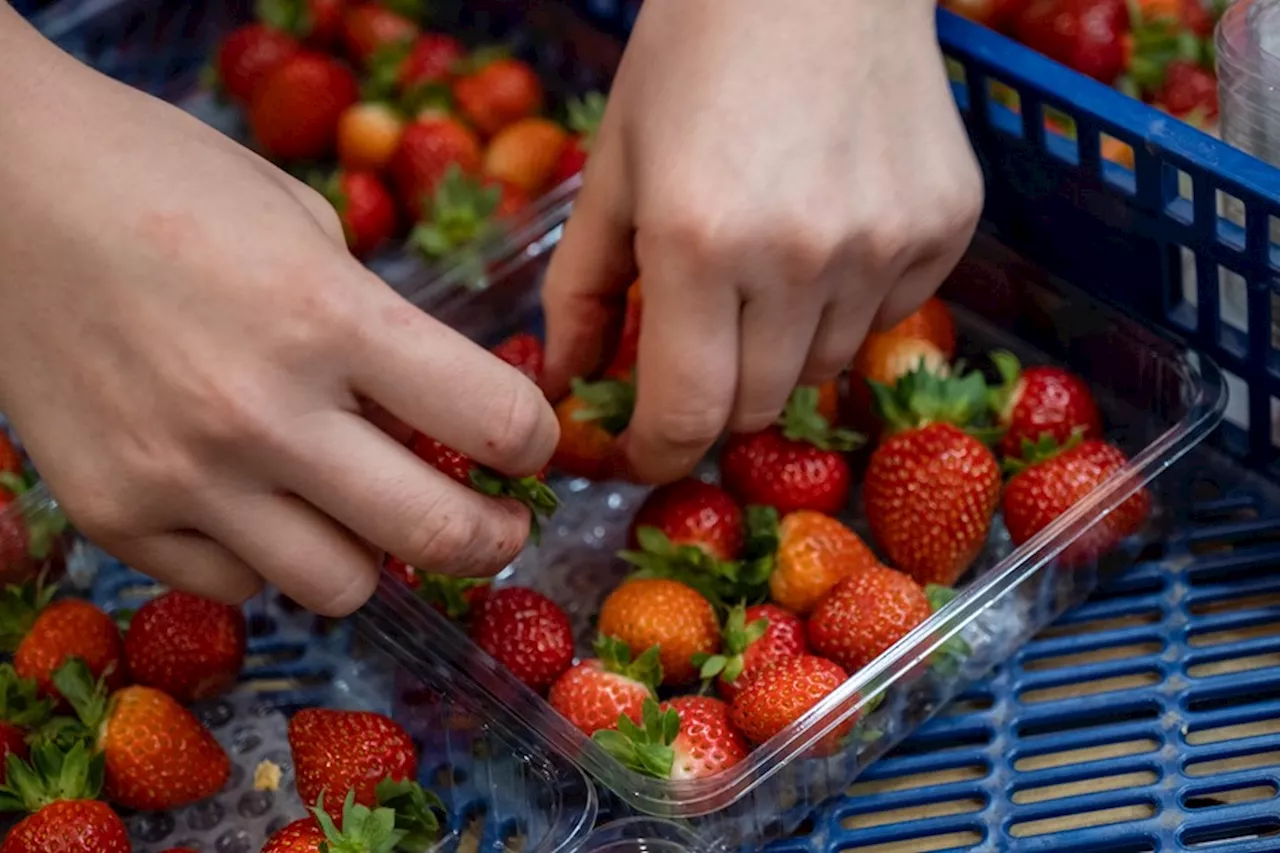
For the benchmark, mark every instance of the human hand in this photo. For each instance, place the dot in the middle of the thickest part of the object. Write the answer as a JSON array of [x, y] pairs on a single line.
[[784, 179], [187, 349]]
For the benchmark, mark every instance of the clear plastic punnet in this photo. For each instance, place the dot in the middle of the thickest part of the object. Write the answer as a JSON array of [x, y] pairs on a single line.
[[1158, 402]]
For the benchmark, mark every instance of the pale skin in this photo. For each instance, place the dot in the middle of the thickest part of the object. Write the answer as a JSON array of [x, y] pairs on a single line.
[[188, 349]]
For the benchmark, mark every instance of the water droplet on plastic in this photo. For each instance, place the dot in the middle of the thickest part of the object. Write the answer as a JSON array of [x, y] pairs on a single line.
[[255, 803], [205, 815], [152, 826], [216, 715], [235, 841]]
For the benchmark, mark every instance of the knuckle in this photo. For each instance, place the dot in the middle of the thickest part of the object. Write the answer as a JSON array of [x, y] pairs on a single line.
[[444, 537], [357, 588], [887, 242]]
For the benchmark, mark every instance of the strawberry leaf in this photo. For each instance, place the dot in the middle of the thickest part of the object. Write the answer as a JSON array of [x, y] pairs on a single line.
[[20, 604], [585, 115], [87, 697], [615, 656], [801, 421], [364, 830], [448, 593], [382, 72], [14, 484], [1041, 450], [460, 214], [922, 397], [609, 401], [530, 491], [645, 748], [52, 774], [418, 813], [20, 703], [1010, 369]]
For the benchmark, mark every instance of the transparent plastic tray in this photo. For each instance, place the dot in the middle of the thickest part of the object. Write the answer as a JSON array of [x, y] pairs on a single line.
[[1158, 401], [162, 48]]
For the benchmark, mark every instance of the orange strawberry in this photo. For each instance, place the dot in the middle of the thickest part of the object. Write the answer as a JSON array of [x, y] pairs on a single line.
[[525, 153], [59, 789], [527, 633], [596, 692], [1052, 480], [926, 338], [660, 612], [157, 754], [66, 629], [783, 694], [591, 419], [368, 136], [815, 552], [865, 614], [185, 645], [497, 92], [689, 737], [754, 639], [348, 751]]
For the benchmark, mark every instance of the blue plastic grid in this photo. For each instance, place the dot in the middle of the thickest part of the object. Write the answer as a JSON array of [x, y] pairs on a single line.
[[1182, 651]]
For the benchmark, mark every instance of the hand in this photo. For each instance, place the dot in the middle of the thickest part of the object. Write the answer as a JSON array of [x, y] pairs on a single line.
[[187, 348], [784, 180]]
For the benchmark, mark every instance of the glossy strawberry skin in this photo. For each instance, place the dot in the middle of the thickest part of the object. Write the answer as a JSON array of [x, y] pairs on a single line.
[[302, 836], [297, 107], [368, 27], [784, 638], [1189, 91], [187, 646], [524, 352], [1085, 35], [573, 159], [666, 613], [1048, 401], [369, 215], [691, 512], [708, 743], [866, 614], [527, 633], [930, 495], [499, 94], [768, 469], [348, 751], [782, 694], [66, 629], [1037, 496], [69, 826], [430, 60], [248, 54], [428, 146], [592, 698]]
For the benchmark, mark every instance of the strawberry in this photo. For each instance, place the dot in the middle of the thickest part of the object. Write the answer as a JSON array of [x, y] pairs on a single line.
[[865, 614], [59, 789], [783, 694], [497, 92], [60, 631], [585, 115], [14, 544], [527, 633], [689, 737], [814, 553], [1048, 481], [430, 60], [10, 458], [1041, 401], [797, 464], [1189, 92], [158, 756], [185, 645], [368, 136], [370, 27], [754, 639], [623, 363], [524, 352], [366, 208], [22, 712], [931, 488], [403, 572], [596, 692], [248, 55], [465, 212], [929, 334], [525, 153], [692, 514], [296, 109], [591, 419], [661, 612], [428, 147], [405, 818], [1085, 35], [454, 598], [348, 751], [318, 23], [996, 14], [533, 492]]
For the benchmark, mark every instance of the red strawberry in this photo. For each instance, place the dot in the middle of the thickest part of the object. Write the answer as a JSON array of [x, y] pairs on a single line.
[[157, 754], [454, 598], [405, 818], [783, 694], [689, 737], [996, 14], [296, 109], [63, 630], [316, 22], [497, 93], [527, 633], [430, 60], [429, 146], [1041, 401], [1053, 481], [370, 27], [931, 489], [623, 364], [304, 835], [1085, 35], [691, 513], [59, 788], [596, 692], [865, 614], [187, 646], [1190, 92], [367, 210], [661, 612], [368, 136], [524, 352], [754, 639], [14, 543], [798, 464], [10, 458], [585, 115], [403, 572], [348, 751], [464, 213], [248, 55]]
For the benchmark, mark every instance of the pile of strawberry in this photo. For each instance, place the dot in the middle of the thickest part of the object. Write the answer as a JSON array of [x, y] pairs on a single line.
[[93, 720], [429, 139], [751, 601], [1158, 50]]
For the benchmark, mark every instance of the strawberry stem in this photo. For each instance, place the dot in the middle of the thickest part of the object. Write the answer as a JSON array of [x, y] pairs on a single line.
[[460, 214]]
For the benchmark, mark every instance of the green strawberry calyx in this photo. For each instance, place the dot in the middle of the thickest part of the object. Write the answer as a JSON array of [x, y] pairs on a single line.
[[609, 401], [87, 696], [459, 215], [287, 16], [20, 605], [449, 593], [382, 72], [52, 774], [536, 495], [20, 703], [949, 657], [738, 635], [923, 397], [585, 115], [645, 748], [801, 421], [615, 656], [1044, 448], [1158, 41], [364, 830], [480, 58], [418, 813]]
